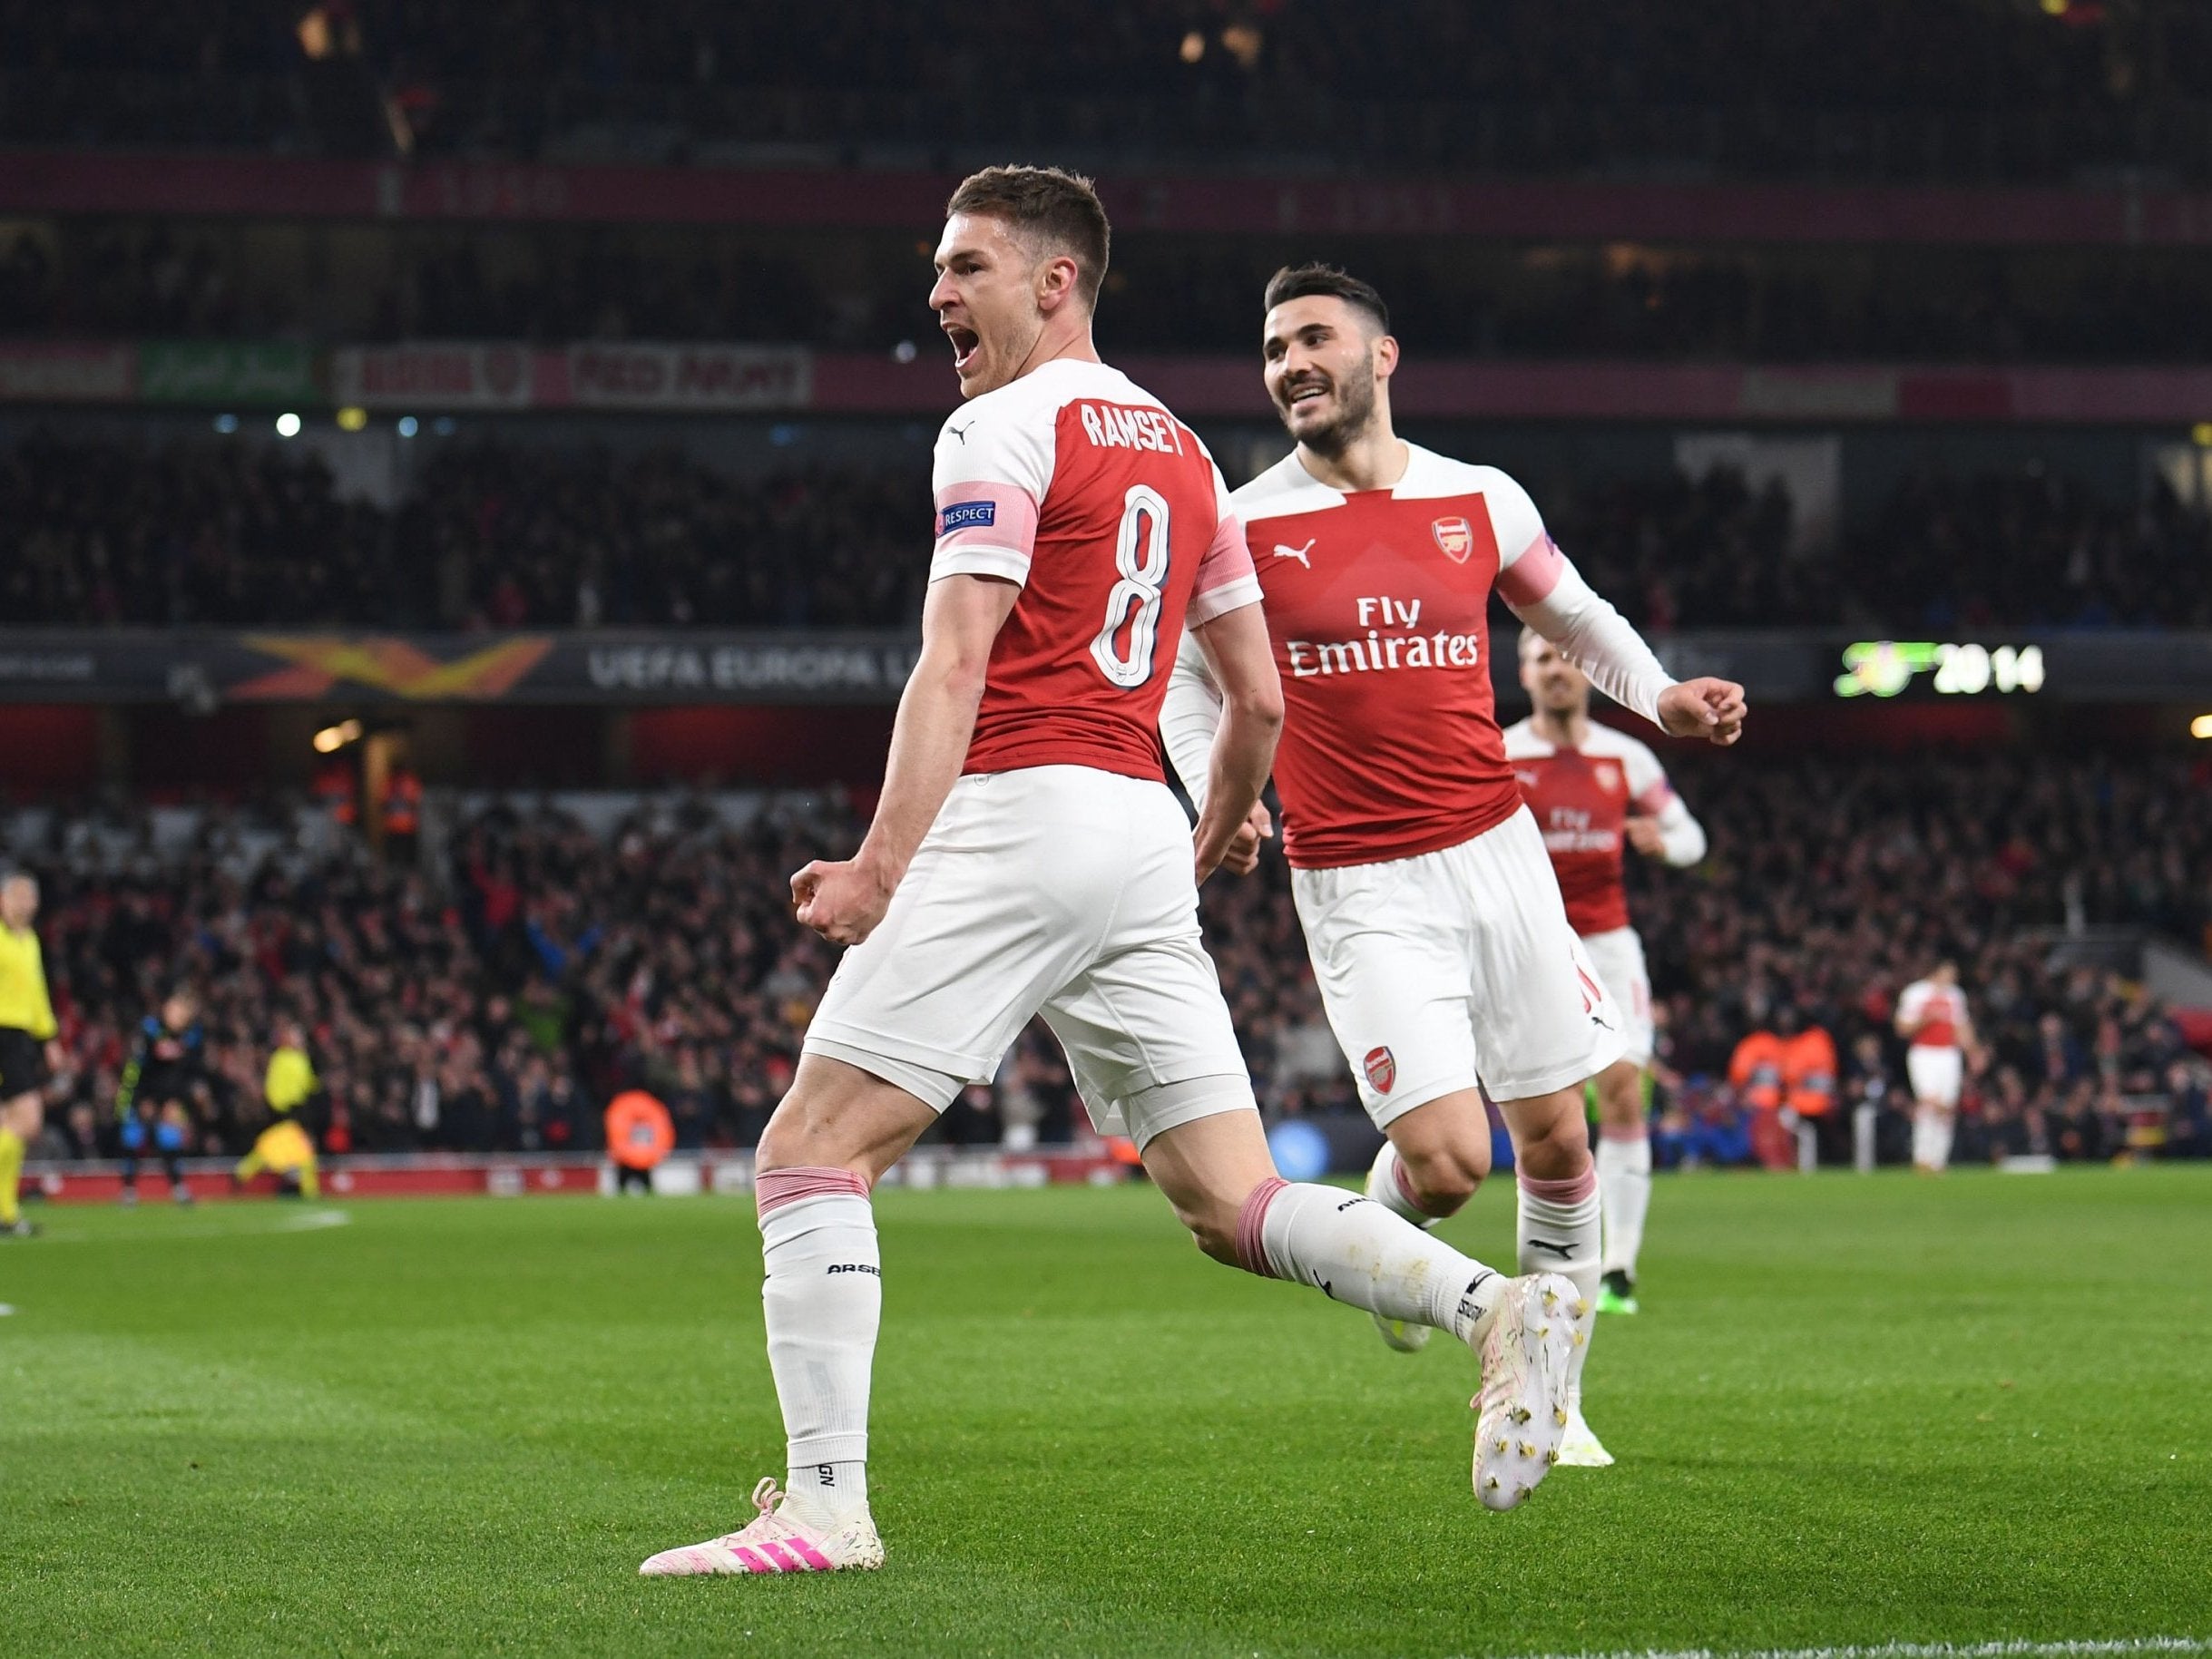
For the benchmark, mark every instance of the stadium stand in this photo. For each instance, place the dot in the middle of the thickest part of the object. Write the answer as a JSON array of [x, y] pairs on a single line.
[[1834, 86], [554, 951], [97, 531], [100, 276]]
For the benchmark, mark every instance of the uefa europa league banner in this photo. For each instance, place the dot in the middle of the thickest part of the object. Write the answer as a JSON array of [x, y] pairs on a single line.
[[202, 671]]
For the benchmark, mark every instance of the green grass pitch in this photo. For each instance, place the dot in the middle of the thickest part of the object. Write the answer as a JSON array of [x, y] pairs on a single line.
[[1855, 1411]]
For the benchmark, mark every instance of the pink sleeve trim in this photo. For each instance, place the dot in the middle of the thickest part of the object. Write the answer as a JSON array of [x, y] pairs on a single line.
[[774, 1188], [1228, 558], [1529, 577], [985, 515]]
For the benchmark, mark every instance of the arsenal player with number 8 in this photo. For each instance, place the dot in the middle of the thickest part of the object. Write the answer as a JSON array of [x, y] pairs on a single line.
[[1027, 857], [1441, 947]]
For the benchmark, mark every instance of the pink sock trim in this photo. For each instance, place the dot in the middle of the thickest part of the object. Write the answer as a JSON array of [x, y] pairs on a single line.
[[1406, 1188], [774, 1188], [1627, 1137], [1572, 1190], [1251, 1252]]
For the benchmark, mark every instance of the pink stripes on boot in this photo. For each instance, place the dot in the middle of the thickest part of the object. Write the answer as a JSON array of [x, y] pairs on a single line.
[[1570, 1191], [1251, 1249], [774, 1188]]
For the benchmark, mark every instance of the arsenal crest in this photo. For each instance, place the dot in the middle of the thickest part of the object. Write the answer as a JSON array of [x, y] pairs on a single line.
[[1381, 1069], [1454, 537], [1609, 779]]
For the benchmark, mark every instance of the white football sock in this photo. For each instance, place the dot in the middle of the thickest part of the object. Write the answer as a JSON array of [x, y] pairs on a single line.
[[1387, 1185], [1355, 1250], [1941, 1135], [1558, 1227], [1624, 1194], [823, 1299]]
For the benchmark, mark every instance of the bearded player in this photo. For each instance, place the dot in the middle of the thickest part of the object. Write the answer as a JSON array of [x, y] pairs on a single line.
[[1027, 856], [1443, 954], [1596, 791]]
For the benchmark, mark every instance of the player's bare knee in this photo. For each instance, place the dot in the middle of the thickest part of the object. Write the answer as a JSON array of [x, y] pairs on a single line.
[[1621, 1096], [1553, 1144], [1445, 1179]]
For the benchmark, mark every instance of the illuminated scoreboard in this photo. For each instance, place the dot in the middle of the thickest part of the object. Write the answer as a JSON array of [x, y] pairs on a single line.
[[1885, 667]]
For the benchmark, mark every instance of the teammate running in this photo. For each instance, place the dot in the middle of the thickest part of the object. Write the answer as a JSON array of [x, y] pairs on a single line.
[[1932, 1020], [28, 1053], [1026, 855], [1596, 791], [1437, 935]]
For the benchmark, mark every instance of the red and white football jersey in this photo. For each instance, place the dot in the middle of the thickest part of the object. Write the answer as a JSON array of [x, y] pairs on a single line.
[[1932, 1013], [1581, 799], [1378, 605], [1080, 486]]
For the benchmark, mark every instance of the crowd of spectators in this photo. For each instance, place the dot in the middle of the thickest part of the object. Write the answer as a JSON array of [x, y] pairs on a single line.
[[539, 958], [555, 284], [97, 533], [1832, 884], [1555, 84], [2026, 547]]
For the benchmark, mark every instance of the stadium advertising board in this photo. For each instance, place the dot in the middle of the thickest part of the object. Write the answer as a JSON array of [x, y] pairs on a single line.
[[201, 670], [652, 377], [619, 667]]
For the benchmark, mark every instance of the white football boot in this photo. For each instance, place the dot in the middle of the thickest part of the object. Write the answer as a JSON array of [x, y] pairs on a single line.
[[1528, 1361], [777, 1543], [1402, 1334], [1578, 1447]]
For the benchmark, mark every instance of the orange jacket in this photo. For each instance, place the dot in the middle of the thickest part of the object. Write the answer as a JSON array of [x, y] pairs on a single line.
[[1756, 1070], [639, 1133], [1808, 1072]]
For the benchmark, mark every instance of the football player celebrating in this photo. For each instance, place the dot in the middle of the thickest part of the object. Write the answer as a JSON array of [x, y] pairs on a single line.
[[1596, 791], [1027, 856], [1443, 953]]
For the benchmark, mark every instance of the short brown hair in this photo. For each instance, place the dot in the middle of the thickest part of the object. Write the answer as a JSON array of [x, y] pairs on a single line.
[[1328, 281], [1047, 206]]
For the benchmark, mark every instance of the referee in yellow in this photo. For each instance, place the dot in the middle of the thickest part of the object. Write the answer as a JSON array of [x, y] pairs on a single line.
[[284, 1146], [28, 1055]]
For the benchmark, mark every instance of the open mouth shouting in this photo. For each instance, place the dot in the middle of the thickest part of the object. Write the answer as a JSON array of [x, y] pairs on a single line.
[[966, 343]]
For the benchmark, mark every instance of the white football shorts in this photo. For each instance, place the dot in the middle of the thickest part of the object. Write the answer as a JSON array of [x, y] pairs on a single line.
[[1059, 889], [1454, 967], [1936, 1074], [1618, 955]]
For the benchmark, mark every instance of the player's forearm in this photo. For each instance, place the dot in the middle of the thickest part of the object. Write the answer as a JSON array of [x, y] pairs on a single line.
[[1243, 754], [929, 744], [1681, 836], [1190, 720], [1597, 640]]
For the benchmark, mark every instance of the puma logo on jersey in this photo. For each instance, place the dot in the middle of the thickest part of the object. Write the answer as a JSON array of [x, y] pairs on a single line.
[[1297, 552], [960, 432]]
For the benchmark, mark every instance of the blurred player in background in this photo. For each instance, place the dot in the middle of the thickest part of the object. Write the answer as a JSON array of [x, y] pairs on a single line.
[[28, 1053], [1597, 791], [285, 1145], [152, 1111], [1443, 954], [1026, 856], [1932, 1017]]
